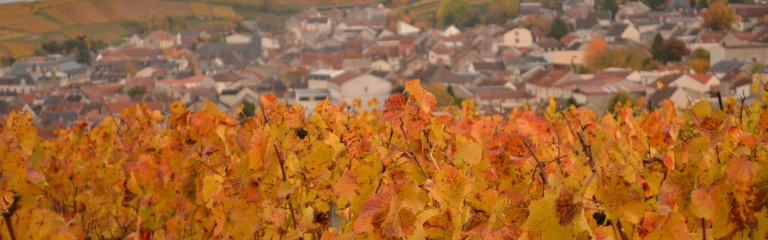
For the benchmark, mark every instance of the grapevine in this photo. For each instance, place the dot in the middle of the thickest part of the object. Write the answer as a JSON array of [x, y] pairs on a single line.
[[405, 171]]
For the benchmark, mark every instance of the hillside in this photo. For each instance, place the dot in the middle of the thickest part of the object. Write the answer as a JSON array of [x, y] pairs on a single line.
[[24, 26]]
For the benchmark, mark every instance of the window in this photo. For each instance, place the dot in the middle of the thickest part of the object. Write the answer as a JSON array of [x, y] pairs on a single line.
[[320, 98], [304, 98]]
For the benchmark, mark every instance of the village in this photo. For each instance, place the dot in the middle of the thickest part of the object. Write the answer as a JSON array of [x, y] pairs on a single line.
[[596, 59]]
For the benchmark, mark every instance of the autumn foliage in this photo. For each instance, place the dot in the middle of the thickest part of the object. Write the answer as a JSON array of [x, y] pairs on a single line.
[[404, 172]]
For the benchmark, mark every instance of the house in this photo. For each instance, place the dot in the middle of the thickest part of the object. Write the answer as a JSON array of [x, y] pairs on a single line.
[[317, 24], [749, 12], [585, 27], [492, 99], [238, 38], [156, 40], [196, 81], [225, 81], [749, 52], [319, 79], [231, 99], [244, 52], [451, 31], [383, 65], [440, 74], [626, 31], [485, 67], [19, 84], [404, 28], [630, 9], [724, 67], [699, 82], [736, 83], [678, 95], [546, 83], [440, 55], [517, 37], [349, 86], [599, 96], [310, 97]]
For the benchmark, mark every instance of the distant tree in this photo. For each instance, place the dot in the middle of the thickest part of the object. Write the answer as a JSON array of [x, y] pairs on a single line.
[[670, 50], [571, 101], [137, 91], [611, 6], [83, 54], [657, 48], [495, 14], [700, 53], [719, 17], [599, 56], [249, 109], [675, 49], [7, 61], [699, 65], [51, 47], [595, 49], [558, 29]]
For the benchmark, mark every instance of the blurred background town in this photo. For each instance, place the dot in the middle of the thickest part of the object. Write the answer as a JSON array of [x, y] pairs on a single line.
[[66, 61]]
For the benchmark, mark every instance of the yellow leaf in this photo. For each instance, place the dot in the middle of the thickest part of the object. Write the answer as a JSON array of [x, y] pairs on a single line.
[[468, 151], [543, 220], [284, 189], [425, 99], [702, 108], [211, 185]]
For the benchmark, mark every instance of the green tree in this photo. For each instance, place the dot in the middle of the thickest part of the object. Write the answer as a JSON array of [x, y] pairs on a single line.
[[249, 109], [558, 29], [657, 48], [137, 91], [83, 54], [609, 5], [701, 53]]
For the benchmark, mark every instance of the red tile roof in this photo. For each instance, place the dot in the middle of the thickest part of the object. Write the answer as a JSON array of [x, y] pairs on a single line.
[[703, 78], [192, 79], [502, 94], [344, 77], [547, 77], [711, 37]]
